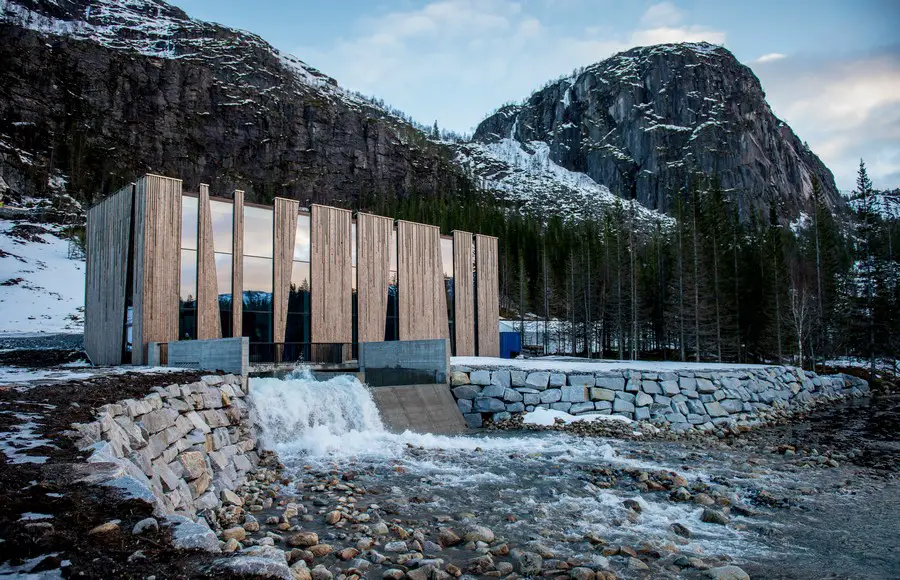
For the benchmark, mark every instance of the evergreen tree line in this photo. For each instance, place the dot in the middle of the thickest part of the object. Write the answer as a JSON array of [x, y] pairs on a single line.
[[705, 287]]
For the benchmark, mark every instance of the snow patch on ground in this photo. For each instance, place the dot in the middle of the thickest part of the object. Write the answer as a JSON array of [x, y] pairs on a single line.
[[548, 417], [23, 379], [41, 288], [574, 364]]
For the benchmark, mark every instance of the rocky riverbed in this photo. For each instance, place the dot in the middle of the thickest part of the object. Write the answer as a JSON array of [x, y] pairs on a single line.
[[351, 499]]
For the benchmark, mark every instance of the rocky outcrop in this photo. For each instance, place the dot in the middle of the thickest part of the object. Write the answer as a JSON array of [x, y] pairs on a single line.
[[98, 92], [644, 121]]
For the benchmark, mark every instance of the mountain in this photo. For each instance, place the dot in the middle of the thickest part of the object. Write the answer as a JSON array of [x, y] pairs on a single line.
[[640, 123], [94, 93]]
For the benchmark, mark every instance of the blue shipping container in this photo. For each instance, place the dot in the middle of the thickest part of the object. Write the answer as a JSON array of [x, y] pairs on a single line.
[[510, 344]]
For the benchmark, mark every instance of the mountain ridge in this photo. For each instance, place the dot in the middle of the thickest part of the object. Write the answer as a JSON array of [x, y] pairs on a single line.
[[645, 121]]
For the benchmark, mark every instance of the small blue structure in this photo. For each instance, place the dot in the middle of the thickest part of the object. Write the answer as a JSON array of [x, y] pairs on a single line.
[[510, 344]]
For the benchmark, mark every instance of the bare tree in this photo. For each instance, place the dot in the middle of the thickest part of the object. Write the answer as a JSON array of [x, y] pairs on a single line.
[[803, 314]]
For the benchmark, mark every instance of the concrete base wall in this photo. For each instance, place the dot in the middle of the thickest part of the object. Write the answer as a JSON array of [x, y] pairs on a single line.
[[419, 408], [229, 355], [405, 362]]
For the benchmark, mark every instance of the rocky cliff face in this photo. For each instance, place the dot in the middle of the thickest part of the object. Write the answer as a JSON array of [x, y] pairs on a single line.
[[642, 122], [94, 93]]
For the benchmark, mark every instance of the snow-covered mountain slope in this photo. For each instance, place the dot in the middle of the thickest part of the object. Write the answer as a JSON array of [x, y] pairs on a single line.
[[41, 280], [884, 203], [104, 90], [650, 121], [526, 175]]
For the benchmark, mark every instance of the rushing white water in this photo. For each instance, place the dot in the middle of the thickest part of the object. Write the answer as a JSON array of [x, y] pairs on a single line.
[[300, 413]]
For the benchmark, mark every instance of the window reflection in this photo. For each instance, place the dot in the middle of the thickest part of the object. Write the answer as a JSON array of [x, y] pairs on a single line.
[[189, 223], [187, 319], [222, 225], [258, 232], [257, 299], [301, 242], [298, 306], [223, 284]]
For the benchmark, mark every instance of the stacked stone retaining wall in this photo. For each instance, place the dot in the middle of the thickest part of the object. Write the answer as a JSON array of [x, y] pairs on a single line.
[[682, 399], [184, 448]]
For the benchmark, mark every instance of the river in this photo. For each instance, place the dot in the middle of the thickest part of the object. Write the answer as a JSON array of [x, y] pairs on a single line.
[[790, 515]]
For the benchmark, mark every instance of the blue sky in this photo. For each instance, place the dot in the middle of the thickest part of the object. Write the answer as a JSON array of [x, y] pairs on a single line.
[[830, 69]]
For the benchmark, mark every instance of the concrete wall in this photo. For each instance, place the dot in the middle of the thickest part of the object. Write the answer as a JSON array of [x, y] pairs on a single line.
[[680, 400], [420, 359], [229, 355]]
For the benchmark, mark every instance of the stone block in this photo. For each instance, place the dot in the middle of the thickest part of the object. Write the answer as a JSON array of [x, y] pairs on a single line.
[[489, 405], [495, 391], [564, 407], [464, 405], [651, 387], [531, 399], [501, 378], [466, 392], [194, 464], [578, 408], [642, 414], [480, 377], [557, 379], [670, 387], [473, 420], [598, 394], [574, 394], [687, 383], [137, 438], [705, 386], [714, 409], [515, 408], [551, 396], [458, 378], [160, 420], [581, 380], [512, 396], [197, 421], [643, 400], [622, 406], [537, 380], [633, 385], [611, 383], [518, 378], [622, 395]]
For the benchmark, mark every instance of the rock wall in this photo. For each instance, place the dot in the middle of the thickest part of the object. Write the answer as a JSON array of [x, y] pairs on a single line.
[[184, 448], [682, 400]]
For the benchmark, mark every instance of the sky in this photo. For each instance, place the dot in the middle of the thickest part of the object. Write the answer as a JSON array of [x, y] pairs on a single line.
[[830, 69]]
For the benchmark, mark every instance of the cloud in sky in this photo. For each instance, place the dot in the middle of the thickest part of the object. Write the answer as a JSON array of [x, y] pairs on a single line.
[[457, 60], [771, 57], [845, 108]]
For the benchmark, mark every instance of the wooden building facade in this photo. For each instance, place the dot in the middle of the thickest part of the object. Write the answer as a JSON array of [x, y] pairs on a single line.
[[165, 265]]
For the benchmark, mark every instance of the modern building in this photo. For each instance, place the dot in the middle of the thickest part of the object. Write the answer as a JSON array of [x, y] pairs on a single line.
[[165, 265]]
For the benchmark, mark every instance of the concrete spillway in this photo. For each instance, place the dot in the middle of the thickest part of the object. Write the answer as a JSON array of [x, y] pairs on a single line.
[[419, 408]]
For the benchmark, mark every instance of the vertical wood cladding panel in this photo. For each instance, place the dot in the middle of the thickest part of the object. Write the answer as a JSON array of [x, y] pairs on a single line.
[[423, 303], [157, 260], [209, 325], [108, 236], [237, 265], [463, 293], [285, 235], [330, 272], [373, 239], [488, 295]]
